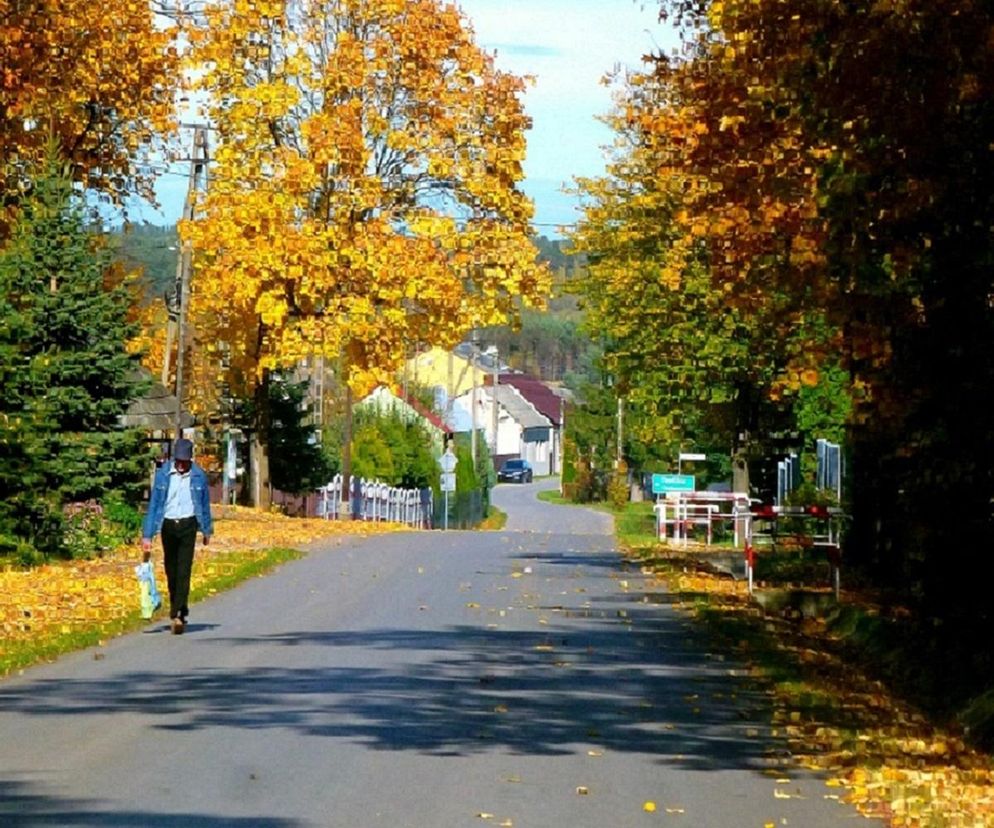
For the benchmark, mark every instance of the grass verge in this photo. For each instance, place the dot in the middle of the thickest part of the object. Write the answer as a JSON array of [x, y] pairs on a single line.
[[494, 521]]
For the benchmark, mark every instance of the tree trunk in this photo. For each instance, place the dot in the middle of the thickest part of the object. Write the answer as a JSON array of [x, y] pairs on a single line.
[[740, 471]]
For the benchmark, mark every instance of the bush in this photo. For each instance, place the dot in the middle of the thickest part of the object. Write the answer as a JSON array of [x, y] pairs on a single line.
[[123, 521], [807, 494], [92, 528], [19, 553], [83, 529], [582, 487], [618, 489]]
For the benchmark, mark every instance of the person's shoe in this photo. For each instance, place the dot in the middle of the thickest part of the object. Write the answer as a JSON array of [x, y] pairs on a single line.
[[178, 626]]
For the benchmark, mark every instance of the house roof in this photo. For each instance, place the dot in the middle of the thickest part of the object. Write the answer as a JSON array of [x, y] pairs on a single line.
[[425, 413], [540, 395], [411, 402], [523, 412]]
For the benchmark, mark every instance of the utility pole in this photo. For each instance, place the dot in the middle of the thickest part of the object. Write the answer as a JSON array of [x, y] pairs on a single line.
[[474, 367], [493, 453], [198, 170], [621, 421]]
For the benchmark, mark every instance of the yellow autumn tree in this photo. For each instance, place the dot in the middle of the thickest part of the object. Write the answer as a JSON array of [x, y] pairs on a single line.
[[101, 84], [364, 185]]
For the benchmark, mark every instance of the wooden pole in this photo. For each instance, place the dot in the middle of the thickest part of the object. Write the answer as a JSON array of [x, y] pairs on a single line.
[[198, 164]]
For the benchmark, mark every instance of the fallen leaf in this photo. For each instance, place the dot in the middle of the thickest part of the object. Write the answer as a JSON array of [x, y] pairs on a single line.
[[778, 794], [649, 807]]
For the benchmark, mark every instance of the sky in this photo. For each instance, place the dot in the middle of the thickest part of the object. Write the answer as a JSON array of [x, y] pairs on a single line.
[[568, 46]]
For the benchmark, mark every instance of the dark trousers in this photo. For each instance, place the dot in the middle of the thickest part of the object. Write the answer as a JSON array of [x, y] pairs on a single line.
[[178, 540]]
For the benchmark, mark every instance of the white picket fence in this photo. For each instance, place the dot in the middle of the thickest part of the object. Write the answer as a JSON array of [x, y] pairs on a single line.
[[377, 501]]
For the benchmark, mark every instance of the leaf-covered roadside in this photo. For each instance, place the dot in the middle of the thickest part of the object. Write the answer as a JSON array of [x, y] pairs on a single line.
[[882, 754], [62, 606]]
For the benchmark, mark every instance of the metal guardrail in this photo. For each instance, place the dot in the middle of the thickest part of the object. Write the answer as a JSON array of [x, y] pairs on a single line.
[[753, 525], [825, 524], [678, 512]]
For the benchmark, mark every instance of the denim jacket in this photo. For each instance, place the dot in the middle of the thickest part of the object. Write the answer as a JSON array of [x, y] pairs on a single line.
[[157, 501]]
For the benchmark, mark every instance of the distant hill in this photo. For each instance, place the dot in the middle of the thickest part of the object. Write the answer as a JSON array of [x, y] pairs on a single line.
[[550, 344], [566, 267], [153, 250]]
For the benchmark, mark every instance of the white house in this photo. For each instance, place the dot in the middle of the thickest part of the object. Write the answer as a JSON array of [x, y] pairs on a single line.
[[521, 430]]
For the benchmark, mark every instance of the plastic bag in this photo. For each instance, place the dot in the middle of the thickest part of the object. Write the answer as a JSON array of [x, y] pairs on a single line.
[[149, 595]]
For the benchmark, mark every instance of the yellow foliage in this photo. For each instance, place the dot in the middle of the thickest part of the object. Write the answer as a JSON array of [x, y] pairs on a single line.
[[346, 134], [103, 96]]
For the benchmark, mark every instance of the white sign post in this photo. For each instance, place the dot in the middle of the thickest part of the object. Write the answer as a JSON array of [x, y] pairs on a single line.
[[448, 481], [688, 455]]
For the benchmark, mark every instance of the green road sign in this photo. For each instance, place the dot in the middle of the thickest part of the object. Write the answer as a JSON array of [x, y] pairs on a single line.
[[663, 483]]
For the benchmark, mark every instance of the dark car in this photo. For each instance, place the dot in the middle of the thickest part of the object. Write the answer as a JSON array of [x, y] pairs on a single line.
[[515, 471]]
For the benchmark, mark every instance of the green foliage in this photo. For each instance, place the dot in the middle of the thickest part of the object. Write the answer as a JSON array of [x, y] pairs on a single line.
[[807, 494], [371, 455], [65, 374], [297, 460], [588, 485], [84, 535], [591, 426], [617, 489], [486, 473], [18, 552], [466, 477], [393, 448]]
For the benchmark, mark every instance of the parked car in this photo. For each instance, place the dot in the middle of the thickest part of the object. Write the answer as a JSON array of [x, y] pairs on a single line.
[[515, 471]]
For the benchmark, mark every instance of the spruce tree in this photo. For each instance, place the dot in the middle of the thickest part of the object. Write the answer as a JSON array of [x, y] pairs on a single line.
[[297, 462], [65, 374]]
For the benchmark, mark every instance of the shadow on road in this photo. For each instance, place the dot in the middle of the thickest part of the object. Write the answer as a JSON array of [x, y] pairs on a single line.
[[624, 680], [22, 807]]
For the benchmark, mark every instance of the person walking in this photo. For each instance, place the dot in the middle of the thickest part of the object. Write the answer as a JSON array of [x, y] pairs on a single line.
[[179, 506]]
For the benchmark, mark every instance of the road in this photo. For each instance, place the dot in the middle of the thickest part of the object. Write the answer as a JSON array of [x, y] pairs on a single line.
[[521, 678]]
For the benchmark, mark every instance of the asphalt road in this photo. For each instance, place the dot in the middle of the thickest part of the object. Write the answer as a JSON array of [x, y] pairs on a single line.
[[521, 678]]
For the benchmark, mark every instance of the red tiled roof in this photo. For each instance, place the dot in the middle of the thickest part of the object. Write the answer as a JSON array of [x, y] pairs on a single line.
[[422, 411], [430, 416], [545, 400]]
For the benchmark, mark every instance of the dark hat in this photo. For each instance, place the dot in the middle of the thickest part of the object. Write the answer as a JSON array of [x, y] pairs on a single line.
[[182, 450]]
